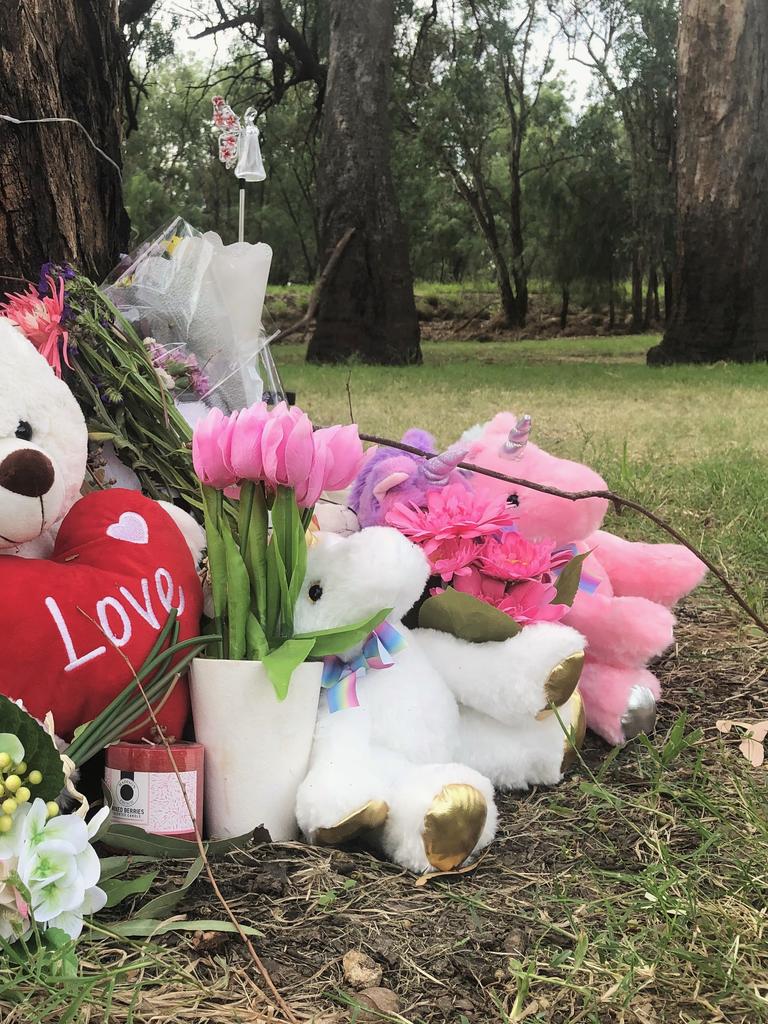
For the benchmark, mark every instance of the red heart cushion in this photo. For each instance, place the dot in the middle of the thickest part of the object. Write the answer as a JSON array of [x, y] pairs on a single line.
[[119, 566]]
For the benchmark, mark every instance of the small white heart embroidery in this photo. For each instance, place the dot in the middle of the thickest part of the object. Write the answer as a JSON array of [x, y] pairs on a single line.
[[130, 527]]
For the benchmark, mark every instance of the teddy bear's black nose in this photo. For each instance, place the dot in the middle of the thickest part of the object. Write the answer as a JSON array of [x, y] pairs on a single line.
[[27, 472]]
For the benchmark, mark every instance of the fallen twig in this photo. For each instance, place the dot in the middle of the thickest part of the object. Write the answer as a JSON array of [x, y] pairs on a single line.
[[328, 272], [617, 500]]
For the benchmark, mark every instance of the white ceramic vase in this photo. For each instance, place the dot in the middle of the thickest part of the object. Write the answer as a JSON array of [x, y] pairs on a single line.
[[257, 748]]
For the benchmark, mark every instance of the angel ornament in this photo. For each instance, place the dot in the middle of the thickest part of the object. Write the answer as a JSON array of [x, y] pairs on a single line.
[[238, 144]]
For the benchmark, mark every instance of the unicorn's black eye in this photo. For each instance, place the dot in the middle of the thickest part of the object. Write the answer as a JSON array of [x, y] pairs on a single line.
[[513, 499], [315, 592], [24, 431]]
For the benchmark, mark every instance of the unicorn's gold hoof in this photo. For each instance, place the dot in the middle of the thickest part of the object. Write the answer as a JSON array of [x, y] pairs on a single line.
[[453, 824], [575, 736], [371, 815], [561, 683]]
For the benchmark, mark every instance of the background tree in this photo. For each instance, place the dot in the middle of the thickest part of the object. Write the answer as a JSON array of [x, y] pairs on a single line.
[[721, 294], [345, 49], [630, 45], [59, 199], [478, 89], [367, 306]]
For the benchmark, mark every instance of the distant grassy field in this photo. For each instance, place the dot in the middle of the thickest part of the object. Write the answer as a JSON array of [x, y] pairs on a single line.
[[690, 442]]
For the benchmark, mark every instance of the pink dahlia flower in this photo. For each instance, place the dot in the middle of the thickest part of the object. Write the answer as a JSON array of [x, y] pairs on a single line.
[[532, 602], [41, 319], [512, 557], [452, 512], [453, 558]]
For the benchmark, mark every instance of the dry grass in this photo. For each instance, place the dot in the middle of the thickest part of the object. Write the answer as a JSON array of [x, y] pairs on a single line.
[[636, 891]]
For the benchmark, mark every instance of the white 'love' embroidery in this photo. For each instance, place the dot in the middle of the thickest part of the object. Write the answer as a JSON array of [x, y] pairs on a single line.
[[114, 617], [130, 527]]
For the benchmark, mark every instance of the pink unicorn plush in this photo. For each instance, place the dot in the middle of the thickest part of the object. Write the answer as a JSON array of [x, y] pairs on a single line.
[[627, 590]]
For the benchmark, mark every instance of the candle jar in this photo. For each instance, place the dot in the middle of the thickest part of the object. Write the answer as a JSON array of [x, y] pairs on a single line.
[[145, 788]]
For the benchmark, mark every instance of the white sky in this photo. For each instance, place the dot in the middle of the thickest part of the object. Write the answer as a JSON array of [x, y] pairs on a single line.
[[213, 49]]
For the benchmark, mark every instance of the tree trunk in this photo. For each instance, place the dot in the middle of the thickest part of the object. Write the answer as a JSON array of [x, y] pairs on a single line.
[[668, 294], [637, 291], [59, 198], [566, 301], [721, 275], [367, 307], [652, 298], [611, 295]]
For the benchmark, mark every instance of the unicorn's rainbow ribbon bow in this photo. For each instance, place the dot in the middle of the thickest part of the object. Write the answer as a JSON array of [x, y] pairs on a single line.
[[340, 677], [587, 583]]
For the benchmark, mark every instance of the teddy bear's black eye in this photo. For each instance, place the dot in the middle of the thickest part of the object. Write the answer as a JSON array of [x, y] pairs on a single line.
[[315, 592], [513, 499], [24, 431]]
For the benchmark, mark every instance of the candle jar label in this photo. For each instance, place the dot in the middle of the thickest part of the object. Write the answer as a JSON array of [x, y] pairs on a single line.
[[153, 801]]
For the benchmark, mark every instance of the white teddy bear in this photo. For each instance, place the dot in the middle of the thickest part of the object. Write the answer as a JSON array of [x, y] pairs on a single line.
[[43, 448], [400, 748], [43, 453]]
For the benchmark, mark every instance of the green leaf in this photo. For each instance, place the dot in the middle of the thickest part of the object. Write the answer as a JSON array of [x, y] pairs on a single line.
[[118, 890], [217, 560], [256, 642], [164, 905], [136, 840], [238, 595], [281, 663], [39, 749], [112, 867], [278, 608], [567, 583], [63, 962], [466, 617], [253, 530], [12, 746], [142, 929], [341, 638]]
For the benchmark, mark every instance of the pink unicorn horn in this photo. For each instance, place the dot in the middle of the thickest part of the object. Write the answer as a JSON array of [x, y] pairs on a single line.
[[438, 470], [515, 444]]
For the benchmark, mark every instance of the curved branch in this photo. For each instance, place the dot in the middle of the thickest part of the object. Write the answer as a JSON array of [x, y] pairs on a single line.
[[617, 500]]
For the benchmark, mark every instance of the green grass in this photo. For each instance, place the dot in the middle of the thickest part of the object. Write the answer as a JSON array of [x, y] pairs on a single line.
[[689, 442]]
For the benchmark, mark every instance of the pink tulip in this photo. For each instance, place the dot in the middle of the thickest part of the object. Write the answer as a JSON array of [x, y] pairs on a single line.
[[346, 455], [308, 493], [243, 454], [287, 448], [211, 437]]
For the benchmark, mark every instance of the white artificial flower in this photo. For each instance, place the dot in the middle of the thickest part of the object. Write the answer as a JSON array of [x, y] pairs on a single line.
[[58, 866]]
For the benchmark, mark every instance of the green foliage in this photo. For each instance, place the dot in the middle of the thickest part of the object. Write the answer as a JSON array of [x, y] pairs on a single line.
[[466, 617], [40, 753], [593, 183]]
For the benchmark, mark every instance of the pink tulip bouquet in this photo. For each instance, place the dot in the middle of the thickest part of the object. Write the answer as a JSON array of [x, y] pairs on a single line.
[[274, 466], [474, 550]]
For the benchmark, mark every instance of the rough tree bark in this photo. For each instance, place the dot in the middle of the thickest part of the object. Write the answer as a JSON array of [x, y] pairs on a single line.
[[720, 284], [367, 308], [59, 199]]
